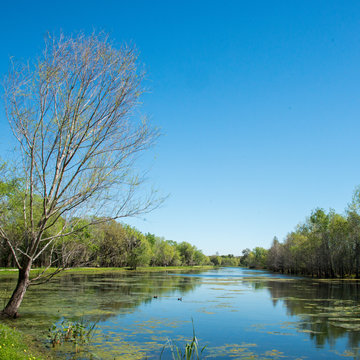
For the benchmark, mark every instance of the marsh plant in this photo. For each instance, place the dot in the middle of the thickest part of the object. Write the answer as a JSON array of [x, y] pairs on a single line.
[[191, 351], [77, 332]]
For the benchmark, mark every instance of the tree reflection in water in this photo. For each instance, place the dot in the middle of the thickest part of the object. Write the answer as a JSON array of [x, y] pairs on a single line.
[[326, 309]]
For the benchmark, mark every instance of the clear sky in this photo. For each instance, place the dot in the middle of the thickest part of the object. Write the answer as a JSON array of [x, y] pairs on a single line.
[[258, 101]]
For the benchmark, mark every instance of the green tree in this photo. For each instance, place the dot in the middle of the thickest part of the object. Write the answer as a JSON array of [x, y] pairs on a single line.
[[340, 244], [200, 258], [260, 255], [112, 244], [216, 260], [187, 253], [353, 212], [229, 260], [164, 253], [138, 248]]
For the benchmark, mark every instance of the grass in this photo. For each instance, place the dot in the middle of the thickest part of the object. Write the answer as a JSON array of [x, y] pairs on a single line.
[[34, 271], [6, 271], [14, 346], [139, 269]]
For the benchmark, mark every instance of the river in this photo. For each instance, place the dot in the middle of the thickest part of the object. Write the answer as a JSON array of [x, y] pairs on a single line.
[[237, 313]]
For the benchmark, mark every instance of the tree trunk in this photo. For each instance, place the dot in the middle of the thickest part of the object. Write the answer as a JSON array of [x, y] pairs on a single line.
[[11, 309]]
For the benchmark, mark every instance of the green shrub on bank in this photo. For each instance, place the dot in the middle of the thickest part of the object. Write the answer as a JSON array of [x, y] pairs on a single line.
[[13, 347]]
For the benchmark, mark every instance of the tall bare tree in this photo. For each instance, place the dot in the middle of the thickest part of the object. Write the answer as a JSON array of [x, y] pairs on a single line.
[[72, 113]]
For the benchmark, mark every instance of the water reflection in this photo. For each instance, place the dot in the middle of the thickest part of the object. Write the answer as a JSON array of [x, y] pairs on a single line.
[[95, 297], [327, 310], [239, 312]]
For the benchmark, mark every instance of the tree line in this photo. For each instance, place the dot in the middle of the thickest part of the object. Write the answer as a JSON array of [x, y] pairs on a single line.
[[114, 244], [111, 244], [93, 241], [326, 244]]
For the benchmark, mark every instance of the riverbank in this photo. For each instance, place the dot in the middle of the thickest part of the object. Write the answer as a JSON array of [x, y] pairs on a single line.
[[16, 345], [35, 271], [140, 269]]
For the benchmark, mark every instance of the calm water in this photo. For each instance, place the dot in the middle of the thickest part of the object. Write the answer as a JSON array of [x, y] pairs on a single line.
[[237, 313]]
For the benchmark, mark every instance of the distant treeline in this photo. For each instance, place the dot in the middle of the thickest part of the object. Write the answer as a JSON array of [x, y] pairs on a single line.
[[87, 241], [91, 241], [113, 244], [327, 244]]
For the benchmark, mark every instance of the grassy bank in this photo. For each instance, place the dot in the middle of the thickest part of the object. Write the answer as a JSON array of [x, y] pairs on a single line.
[[14, 345], [139, 269], [34, 271]]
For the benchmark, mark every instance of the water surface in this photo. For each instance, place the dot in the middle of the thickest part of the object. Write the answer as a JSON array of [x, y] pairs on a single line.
[[238, 313]]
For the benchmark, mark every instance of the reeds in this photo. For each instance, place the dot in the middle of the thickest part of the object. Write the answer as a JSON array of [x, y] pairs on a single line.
[[192, 350]]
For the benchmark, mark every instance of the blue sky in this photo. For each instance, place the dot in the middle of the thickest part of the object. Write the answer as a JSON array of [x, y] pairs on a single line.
[[258, 102]]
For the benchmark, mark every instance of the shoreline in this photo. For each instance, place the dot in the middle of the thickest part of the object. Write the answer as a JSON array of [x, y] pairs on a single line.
[[4, 271]]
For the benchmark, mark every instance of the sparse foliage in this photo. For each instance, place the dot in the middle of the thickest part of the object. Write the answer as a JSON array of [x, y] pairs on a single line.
[[73, 114]]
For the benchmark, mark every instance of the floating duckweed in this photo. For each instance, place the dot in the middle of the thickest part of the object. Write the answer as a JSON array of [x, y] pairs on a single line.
[[320, 314]]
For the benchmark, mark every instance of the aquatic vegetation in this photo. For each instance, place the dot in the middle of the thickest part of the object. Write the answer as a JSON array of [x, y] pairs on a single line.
[[239, 351], [274, 354], [351, 354], [315, 317], [190, 352], [77, 333], [205, 311]]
